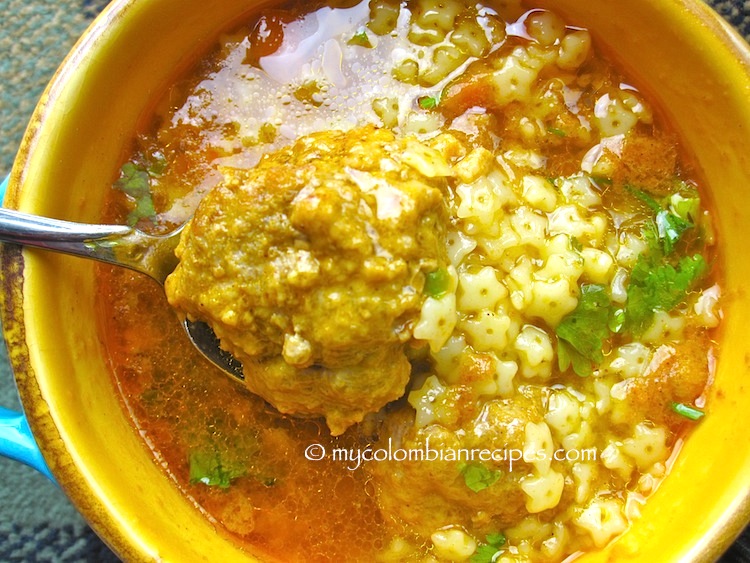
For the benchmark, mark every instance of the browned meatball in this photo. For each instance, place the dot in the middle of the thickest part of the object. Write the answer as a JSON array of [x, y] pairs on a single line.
[[678, 374], [425, 495], [310, 268]]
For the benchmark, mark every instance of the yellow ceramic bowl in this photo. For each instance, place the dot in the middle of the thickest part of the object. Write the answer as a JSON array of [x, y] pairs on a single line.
[[679, 51]]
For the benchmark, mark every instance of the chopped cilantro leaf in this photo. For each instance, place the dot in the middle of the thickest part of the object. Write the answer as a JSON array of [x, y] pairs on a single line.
[[670, 229], [361, 39], [489, 552], [617, 320], [437, 283], [568, 356], [582, 332], [670, 224], [485, 554], [477, 476], [555, 131], [658, 286], [498, 539], [687, 411], [428, 102], [135, 182], [686, 208], [646, 198], [600, 181], [144, 209], [209, 468], [651, 236]]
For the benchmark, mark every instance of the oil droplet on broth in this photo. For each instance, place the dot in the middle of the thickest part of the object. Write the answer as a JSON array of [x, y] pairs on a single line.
[[304, 38]]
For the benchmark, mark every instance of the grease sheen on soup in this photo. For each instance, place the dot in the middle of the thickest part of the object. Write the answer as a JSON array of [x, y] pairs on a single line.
[[560, 350]]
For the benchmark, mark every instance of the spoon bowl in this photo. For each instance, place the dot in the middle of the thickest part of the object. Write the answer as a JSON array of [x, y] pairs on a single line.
[[119, 245]]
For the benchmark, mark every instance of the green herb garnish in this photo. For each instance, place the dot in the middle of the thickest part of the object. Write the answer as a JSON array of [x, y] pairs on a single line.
[[477, 476], [209, 468], [485, 554], [669, 224], [687, 208], [490, 551], [428, 102], [136, 183], [568, 356], [555, 131], [687, 411], [617, 320], [581, 333], [670, 228], [645, 197], [498, 540], [361, 39], [437, 283], [659, 281], [658, 286], [601, 180]]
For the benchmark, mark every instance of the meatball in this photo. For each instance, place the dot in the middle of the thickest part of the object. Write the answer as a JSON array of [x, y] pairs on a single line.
[[649, 160], [310, 268], [679, 373], [427, 494]]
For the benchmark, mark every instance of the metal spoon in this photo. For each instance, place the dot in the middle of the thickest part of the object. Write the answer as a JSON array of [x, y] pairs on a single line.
[[119, 245]]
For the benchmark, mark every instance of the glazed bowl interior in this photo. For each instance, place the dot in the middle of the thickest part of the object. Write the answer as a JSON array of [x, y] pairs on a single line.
[[678, 52]]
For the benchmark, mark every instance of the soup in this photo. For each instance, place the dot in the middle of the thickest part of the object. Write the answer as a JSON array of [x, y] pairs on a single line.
[[562, 342]]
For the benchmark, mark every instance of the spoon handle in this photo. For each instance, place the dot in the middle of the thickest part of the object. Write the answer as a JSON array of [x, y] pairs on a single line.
[[114, 244], [43, 232]]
